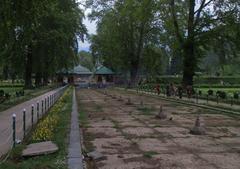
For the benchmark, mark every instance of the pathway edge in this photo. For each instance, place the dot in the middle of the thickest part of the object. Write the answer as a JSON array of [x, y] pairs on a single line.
[[75, 158]]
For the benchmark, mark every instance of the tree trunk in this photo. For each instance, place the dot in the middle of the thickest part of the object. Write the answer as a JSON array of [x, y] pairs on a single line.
[[45, 79], [188, 49], [38, 79], [133, 73], [5, 72], [13, 76], [28, 69], [189, 64]]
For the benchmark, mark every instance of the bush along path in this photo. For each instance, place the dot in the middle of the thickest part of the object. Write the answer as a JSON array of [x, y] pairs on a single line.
[[221, 107], [26, 95], [53, 127], [24, 116]]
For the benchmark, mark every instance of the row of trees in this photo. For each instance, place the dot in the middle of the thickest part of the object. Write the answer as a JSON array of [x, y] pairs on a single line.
[[140, 35], [39, 37]]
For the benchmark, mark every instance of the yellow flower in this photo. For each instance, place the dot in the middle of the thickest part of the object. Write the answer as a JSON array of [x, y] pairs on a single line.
[[45, 128]]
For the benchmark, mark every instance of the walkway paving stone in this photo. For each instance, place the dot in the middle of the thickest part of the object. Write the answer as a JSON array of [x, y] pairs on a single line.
[[154, 143], [75, 160]]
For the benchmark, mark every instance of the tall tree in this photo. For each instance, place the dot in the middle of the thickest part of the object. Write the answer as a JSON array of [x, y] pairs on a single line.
[[193, 24], [86, 60], [40, 37], [124, 29]]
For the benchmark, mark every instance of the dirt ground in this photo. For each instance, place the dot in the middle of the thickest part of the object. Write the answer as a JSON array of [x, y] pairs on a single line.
[[131, 137]]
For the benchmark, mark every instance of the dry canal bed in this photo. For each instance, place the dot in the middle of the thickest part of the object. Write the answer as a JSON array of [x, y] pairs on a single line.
[[130, 137]]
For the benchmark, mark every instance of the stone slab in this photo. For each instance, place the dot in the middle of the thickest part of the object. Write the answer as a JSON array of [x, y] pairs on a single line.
[[41, 148]]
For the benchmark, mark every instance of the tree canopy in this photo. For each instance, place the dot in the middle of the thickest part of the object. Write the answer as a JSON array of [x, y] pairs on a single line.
[[86, 59], [147, 35], [39, 37]]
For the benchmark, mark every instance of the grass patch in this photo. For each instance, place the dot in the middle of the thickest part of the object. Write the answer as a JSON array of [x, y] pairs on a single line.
[[115, 124], [51, 161], [209, 111], [146, 110], [84, 123], [28, 94], [149, 154], [11, 90], [88, 145], [229, 91], [83, 118], [98, 108], [157, 125]]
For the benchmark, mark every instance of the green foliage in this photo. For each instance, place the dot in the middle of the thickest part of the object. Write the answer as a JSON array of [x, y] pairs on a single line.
[[146, 110], [15, 154], [202, 80], [153, 33], [123, 31], [50, 161], [86, 60], [154, 61], [40, 36], [28, 94], [149, 154], [198, 28]]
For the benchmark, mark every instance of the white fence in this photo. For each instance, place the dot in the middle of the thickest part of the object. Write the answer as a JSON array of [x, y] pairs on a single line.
[[15, 125]]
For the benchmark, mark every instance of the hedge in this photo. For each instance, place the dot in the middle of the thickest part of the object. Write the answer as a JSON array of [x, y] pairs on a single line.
[[9, 86], [228, 80]]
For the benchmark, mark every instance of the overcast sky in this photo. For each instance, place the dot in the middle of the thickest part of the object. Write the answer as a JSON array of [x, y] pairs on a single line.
[[91, 26]]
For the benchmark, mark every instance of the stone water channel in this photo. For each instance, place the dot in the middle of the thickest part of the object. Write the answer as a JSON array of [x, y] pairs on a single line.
[[131, 137]]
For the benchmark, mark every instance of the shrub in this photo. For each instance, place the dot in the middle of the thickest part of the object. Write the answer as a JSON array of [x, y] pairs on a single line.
[[11, 85], [210, 92], [210, 80], [45, 128], [221, 94], [7, 95], [193, 91], [1, 93], [236, 95], [16, 153]]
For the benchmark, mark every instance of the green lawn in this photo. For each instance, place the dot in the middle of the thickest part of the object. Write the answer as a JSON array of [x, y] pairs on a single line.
[[11, 90], [229, 91], [9, 83], [28, 94]]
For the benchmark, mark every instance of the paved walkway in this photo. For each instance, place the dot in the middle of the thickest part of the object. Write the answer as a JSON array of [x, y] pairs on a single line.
[[130, 137], [6, 139], [74, 152]]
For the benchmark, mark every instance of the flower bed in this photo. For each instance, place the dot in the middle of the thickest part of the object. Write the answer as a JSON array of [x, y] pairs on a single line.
[[45, 128], [55, 127]]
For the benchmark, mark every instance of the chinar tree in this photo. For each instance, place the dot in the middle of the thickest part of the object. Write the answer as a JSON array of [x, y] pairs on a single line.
[[124, 33], [40, 37], [129, 31], [196, 24]]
